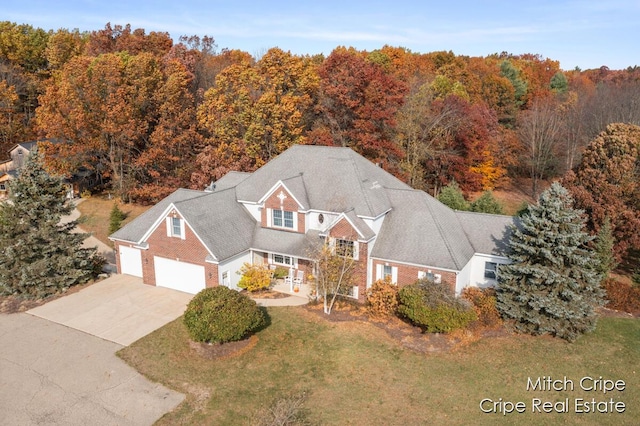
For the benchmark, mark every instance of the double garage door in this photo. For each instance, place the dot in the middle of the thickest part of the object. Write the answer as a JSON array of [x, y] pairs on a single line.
[[177, 275], [169, 273]]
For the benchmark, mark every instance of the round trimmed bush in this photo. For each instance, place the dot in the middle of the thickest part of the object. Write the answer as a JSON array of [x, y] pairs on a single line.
[[220, 315]]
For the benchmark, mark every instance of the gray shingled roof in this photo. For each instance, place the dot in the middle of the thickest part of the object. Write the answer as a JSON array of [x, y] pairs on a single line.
[[135, 230], [230, 180], [334, 179], [421, 230], [287, 243], [488, 233], [225, 226]]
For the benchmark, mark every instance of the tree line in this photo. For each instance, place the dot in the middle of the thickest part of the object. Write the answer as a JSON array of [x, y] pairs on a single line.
[[149, 115]]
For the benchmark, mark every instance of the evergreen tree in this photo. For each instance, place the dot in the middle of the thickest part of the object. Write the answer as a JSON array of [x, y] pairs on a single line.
[[603, 247], [451, 195], [39, 256], [487, 204], [115, 218], [551, 286]]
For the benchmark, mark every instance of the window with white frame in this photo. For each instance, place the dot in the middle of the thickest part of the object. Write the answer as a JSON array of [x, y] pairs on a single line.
[[176, 227], [353, 291], [345, 248], [490, 270], [283, 260], [282, 219], [387, 271], [3, 186]]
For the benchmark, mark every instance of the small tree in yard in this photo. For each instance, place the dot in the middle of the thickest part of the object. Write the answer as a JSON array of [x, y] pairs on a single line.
[[39, 256], [115, 218], [551, 286], [603, 246], [335, 272]]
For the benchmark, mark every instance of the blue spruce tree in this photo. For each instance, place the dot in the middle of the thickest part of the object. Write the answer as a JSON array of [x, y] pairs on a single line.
[[551, 286], [39, 255]]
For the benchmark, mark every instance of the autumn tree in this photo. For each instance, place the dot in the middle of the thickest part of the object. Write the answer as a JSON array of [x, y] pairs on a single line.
[[167, 161], [104, 107], [539, 130], [254, 112], [335, 268], [550, 286], [357, 106], [606, 184], [39, 256]]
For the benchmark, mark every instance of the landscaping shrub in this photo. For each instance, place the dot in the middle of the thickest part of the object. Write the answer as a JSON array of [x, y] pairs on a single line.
[[254, 277], [288, 410], [621, 296], [219, 315], [280, 272], [484, 303], [382, 298], [434, 308]]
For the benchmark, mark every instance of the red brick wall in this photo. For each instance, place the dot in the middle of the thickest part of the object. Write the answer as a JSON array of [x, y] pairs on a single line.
[[289, 204], [343, 230], [408, 274], [188, 250]]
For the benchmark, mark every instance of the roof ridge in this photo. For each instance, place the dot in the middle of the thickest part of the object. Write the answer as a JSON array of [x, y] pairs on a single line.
[[363, 190], [443, 234]]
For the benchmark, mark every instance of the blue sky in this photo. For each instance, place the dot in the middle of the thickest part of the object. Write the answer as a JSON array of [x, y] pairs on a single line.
[[583, 33]]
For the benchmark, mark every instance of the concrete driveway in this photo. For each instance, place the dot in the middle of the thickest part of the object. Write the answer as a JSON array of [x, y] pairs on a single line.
[[119, 309], [54, 375]]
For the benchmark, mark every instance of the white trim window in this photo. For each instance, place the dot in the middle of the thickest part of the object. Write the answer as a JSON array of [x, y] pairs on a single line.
[[383, 271], [353, 291], [280, 259], [282, 219], [175, 227], [490, 270], [3, 187], [345, 248]]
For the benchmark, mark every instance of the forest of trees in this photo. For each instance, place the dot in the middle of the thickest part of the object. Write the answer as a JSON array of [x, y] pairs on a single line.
[[148, 114]]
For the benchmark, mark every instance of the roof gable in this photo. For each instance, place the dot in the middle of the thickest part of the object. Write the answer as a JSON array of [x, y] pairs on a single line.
[[333, 179], [421, 230]]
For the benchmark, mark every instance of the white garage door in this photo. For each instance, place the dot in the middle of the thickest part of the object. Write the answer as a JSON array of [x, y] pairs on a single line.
[[181, 276], [130, 261]]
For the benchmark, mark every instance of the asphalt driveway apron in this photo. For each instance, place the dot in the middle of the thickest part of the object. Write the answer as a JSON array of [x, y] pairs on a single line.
[[54, 375], [119, 309]]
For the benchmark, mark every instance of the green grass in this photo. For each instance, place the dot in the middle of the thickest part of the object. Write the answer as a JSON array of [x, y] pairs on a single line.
[[354, 374]]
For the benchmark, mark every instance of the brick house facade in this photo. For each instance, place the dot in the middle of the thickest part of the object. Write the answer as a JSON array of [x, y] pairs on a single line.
[[281, 213]]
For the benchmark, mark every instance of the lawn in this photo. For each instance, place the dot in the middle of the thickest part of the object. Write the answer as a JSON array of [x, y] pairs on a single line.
[[95, 212], [354, 373]]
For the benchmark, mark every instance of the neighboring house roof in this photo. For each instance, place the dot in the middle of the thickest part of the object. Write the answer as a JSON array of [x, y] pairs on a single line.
[[325, 179], [487, 233], [422, 231]]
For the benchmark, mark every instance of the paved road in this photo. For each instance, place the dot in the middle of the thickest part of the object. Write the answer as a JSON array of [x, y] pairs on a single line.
[[55, 375]]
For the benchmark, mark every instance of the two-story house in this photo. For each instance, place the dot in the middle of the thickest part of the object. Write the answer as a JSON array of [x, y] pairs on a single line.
[[279, 214]]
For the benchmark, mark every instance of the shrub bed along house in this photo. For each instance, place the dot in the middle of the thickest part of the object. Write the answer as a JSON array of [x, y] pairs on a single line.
[[220, 315], [433, 307]]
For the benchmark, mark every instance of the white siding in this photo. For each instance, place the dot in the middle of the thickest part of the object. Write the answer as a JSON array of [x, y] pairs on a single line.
[[233, 265], [477, 278]]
